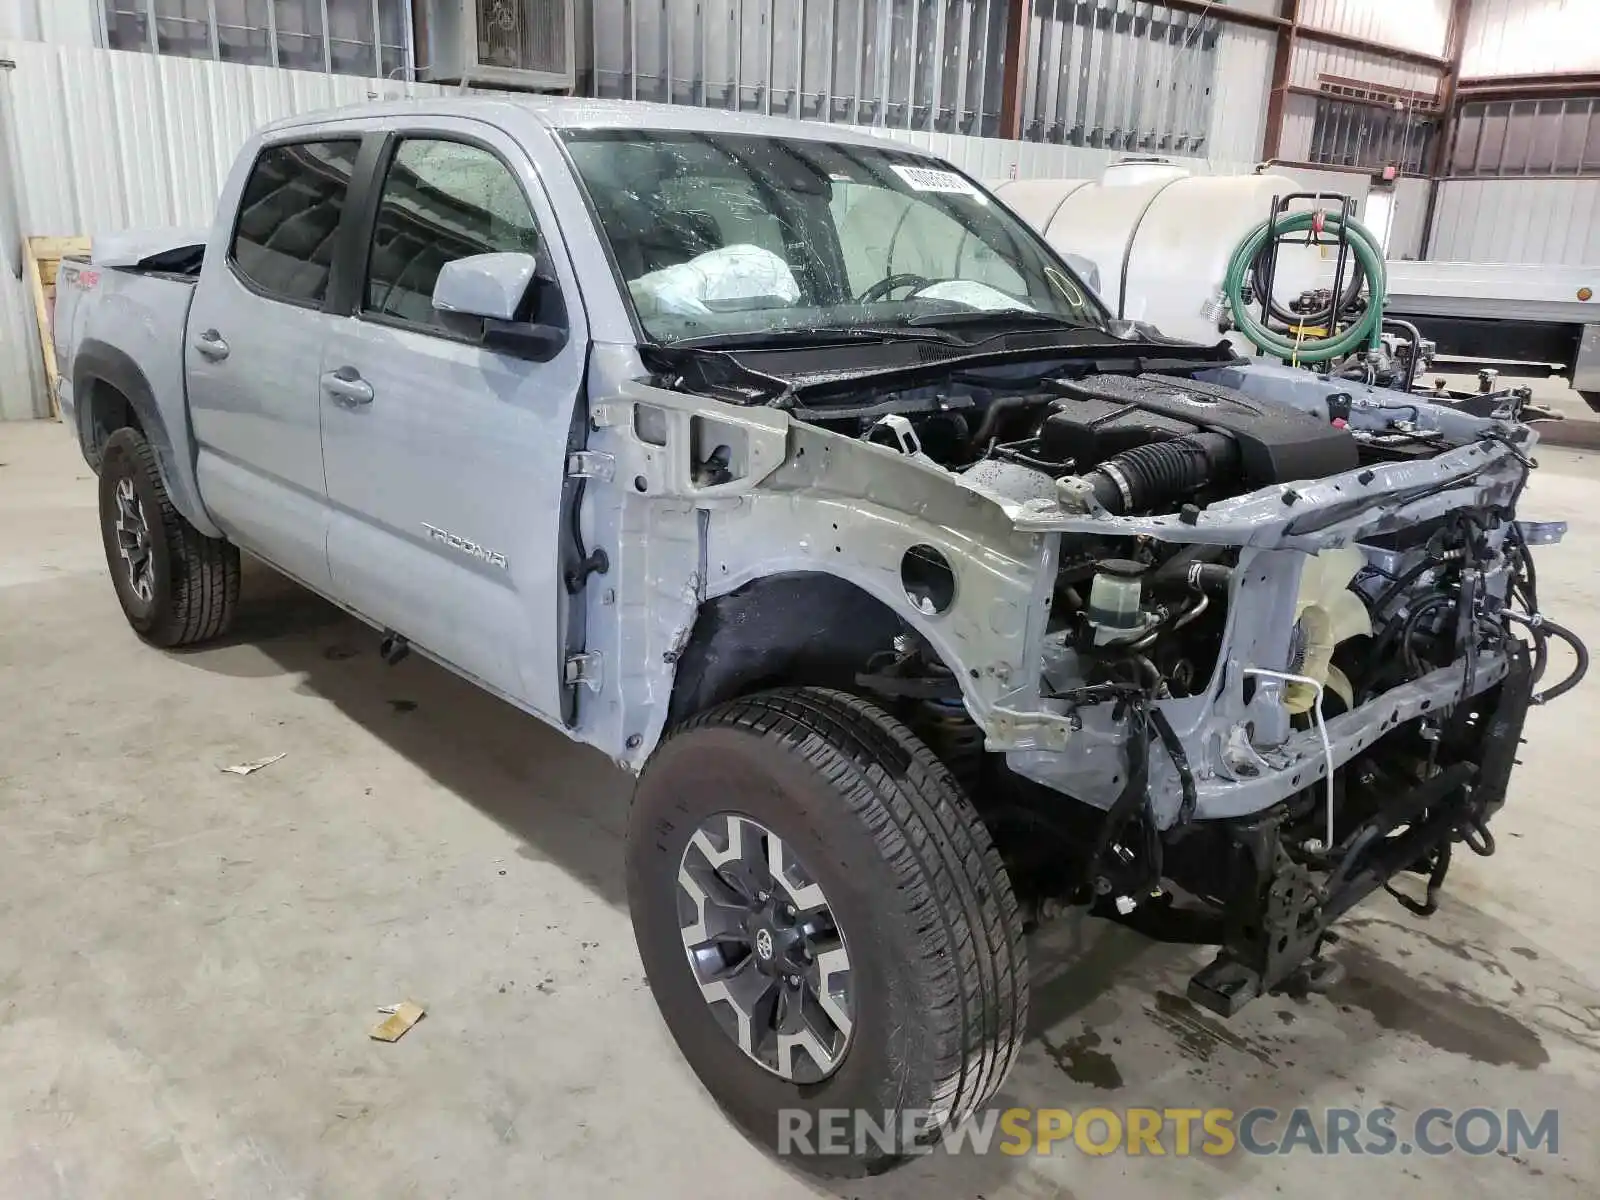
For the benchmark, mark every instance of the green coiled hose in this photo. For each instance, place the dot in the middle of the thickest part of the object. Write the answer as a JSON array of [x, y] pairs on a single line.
[[1362, 334]]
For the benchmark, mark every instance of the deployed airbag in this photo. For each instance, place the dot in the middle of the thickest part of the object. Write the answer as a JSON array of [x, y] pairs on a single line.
[[723, 280]]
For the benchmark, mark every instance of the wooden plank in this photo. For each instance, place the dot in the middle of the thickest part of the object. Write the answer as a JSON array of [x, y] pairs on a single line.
[[41, 264]]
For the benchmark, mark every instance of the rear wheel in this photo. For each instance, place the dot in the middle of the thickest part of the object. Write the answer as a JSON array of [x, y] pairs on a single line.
[[176, 585], [825, 925]]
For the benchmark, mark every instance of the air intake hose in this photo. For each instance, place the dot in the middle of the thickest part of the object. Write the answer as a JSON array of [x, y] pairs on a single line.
[[1161, 474]]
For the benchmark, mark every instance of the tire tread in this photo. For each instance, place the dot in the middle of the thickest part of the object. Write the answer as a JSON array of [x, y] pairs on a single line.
[[955, 891], [204, 576]]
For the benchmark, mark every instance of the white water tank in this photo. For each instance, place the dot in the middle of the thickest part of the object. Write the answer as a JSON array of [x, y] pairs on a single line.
[[1161, 236]]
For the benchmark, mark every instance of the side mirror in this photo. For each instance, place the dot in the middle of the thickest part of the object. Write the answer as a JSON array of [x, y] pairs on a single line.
[[509, 301]]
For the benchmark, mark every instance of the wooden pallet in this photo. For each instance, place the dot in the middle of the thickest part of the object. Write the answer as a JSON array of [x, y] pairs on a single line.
[[41, 262]]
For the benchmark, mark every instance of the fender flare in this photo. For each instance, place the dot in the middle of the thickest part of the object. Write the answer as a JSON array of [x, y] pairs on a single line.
[[99, 362]]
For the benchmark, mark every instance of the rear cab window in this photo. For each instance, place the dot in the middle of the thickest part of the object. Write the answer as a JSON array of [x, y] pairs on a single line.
[[288, 223]]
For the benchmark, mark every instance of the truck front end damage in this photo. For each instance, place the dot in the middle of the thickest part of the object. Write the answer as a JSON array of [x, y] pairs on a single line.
[[1263, 706], [1219, 652]]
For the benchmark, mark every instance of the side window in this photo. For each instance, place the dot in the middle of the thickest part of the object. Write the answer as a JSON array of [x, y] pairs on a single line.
[[441, 201], [288, 223]]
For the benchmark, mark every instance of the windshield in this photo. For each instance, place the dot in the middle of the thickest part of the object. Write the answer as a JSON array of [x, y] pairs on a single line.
[[732, 235]]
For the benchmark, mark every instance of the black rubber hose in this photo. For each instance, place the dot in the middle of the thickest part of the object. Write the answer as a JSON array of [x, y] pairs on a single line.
[[1176, 569], [999, 407], [1541, 654], [1161, 473], [1180, 760], [1401, 584], [1409, 629], [1378, 655], [1578, 672], [1135, 792], [1415, 335], [1327, 317]]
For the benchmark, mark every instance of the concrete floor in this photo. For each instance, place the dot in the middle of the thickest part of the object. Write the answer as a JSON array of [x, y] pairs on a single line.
[[190, 960]]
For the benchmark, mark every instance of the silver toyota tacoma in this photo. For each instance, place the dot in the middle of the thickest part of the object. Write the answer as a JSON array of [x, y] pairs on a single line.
[[791, 470]]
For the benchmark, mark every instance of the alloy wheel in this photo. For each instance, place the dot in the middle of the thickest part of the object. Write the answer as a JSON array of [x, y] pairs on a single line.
[[765, 949], [133, 541]]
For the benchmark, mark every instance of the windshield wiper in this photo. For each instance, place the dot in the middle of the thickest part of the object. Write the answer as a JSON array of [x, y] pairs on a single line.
[[999, 316], [814, 335]]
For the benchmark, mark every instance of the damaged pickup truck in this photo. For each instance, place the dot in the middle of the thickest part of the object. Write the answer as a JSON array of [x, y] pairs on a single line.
[[791, 470]]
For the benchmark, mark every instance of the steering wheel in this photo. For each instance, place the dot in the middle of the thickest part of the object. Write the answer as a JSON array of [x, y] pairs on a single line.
[[881, 289]]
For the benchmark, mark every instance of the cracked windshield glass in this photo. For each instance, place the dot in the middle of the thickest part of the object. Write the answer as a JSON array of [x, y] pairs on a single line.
[[741, 239]]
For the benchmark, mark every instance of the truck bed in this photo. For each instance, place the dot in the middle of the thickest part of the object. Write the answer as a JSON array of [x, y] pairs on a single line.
[[138, 311]]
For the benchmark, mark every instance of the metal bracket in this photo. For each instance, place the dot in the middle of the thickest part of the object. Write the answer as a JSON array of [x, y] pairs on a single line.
[[607, 416], [585, 669], [591, 464], [1542, 533]]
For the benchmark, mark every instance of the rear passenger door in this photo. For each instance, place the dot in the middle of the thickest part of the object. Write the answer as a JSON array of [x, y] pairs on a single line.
[[256, 331], [446, 468]]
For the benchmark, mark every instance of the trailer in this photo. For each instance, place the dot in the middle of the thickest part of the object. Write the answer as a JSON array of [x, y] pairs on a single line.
[[1519, 318], [1159, 238]]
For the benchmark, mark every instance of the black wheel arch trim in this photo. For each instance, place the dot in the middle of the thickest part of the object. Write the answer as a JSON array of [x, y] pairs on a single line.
[[99, 362], [794, 628]]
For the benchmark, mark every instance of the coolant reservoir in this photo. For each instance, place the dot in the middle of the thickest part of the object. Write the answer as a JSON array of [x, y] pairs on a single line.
[[1116, 599]]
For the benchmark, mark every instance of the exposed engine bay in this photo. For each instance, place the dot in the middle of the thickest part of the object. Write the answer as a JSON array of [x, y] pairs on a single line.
[[1285, 641]]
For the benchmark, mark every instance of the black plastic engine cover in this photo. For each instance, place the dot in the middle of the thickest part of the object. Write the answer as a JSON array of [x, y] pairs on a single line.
[[1103, 415]]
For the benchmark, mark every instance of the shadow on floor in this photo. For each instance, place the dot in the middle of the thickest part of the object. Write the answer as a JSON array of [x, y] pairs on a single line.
[[567, 803]]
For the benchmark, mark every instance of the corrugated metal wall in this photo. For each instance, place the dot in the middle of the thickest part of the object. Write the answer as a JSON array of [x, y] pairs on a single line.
[[1410, 218], [1312, 61], [108, 140], [1531, 37], [911, 64], [1244, 83], [1123, 74], [61, 22], [1418, 25], [1129, 74], [1518, 221]]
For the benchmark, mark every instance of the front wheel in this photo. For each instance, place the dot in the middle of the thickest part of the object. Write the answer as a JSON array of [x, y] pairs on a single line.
[[176, 585], [825, 925]]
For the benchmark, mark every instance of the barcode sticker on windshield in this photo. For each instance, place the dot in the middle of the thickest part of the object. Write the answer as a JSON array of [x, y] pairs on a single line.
[[929, 179]]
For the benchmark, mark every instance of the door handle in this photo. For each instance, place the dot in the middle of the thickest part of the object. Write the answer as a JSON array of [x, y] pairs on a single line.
[[347, 387], [211, 345]]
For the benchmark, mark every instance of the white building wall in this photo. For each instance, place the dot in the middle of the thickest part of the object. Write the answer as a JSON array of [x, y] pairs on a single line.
[[1531, 37], [1244, 85], [106, 140], [1518, 221], [60, 22], [1313, 60], [1419, 25], [1262, 8], [1410, 218], [1523, 220]]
